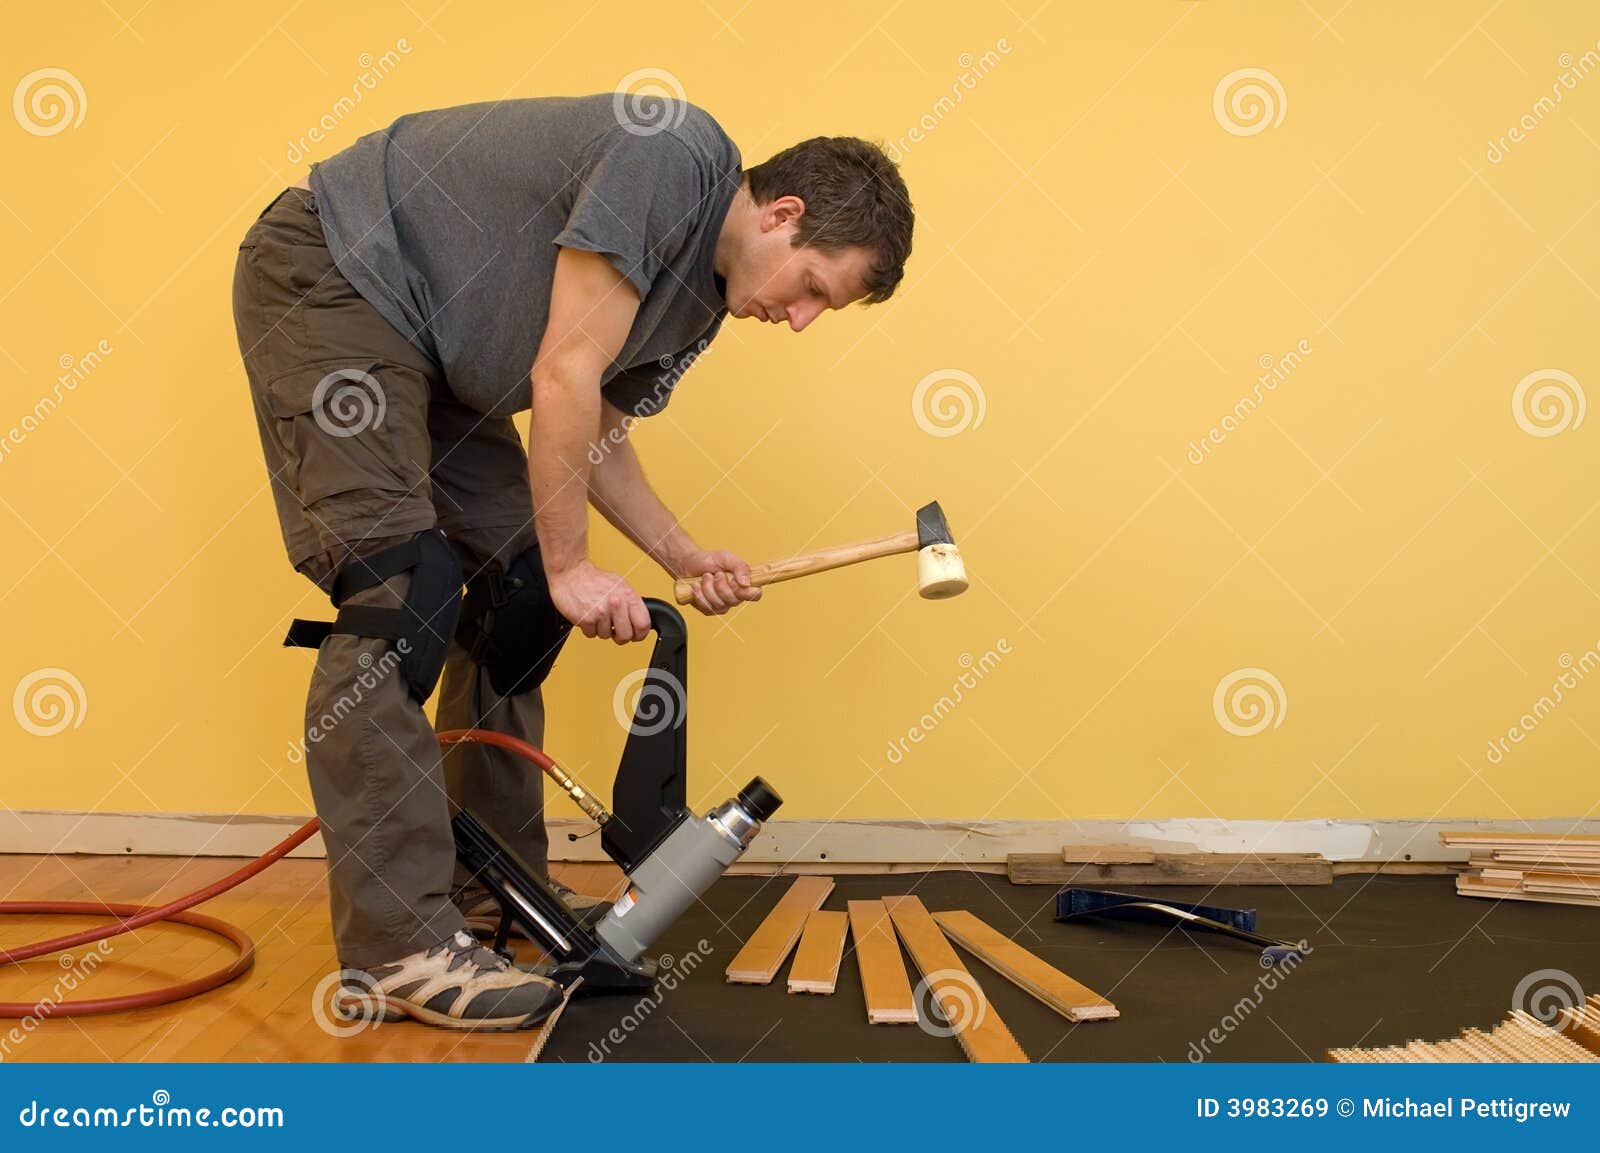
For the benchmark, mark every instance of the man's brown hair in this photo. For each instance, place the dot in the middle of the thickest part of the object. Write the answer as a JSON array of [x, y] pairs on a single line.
[[854, 198]]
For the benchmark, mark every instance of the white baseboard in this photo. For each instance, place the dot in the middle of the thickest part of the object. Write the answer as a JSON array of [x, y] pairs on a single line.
[[800, 841]]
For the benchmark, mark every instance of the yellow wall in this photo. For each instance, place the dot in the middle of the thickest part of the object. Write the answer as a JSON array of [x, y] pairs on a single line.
[[1106, 261]]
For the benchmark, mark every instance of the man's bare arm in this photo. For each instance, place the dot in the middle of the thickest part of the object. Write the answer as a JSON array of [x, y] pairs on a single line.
[[592, 307], [619, 489]]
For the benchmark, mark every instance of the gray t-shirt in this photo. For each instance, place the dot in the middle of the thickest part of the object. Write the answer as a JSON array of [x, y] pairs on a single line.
[[449, 223]]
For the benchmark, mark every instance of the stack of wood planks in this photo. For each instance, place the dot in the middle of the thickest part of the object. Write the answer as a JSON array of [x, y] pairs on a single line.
[[817, 937], [1521, 1037], [1562, 870]]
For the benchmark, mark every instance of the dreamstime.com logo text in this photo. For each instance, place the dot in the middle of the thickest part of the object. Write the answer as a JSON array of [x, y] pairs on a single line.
[[672, 370], [973, 69], [373, 69], [78, 971], [75, 370], [1276, 971], [1572, 71], [159, 1114], [973, 671], [1573, 671], [1277, 371], [670, 973], [373, 674]]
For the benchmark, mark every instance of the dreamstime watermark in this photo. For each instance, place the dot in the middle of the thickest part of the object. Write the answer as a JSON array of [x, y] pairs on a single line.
[[1545, 995], [1275, 971], [947, 402], [1249, 700], [373, 674], [1572, 71], [48, 101], [1574, 670], [1277, 371], [373, 69], [670, 973], [347, 402], [78, 971], [672, 370], [159, 1114], [948, 1002], [975, 670], [1248, 101], [648, 101], [973, 69], [649, 701], [49, 701], [1548, 402], [347, 1002], [75, 370]]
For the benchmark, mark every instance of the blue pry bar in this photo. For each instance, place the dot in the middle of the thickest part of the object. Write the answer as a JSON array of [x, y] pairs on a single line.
[[1105, 903]]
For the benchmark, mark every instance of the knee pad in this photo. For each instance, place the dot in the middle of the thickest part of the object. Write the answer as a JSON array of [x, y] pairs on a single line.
[[510, 625], [420, 628]]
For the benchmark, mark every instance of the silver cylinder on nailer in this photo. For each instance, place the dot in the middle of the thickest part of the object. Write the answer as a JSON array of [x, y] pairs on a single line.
[[683, 867]]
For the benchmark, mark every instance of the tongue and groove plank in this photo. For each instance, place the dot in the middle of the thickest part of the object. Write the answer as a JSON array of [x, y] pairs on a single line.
[[1074, 1001], [816, 962], [884, 984], [984, 1037], [769, 946]]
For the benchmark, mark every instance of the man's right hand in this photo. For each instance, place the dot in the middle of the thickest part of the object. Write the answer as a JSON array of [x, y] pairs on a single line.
[[600, 603]]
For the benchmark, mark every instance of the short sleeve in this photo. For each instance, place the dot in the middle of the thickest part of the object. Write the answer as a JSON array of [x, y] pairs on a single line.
[[645, 390], [635, 203], [640, 392]]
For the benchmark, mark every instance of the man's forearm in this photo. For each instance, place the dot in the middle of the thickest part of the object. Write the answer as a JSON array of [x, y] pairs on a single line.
[[562, 426], [619, 489]]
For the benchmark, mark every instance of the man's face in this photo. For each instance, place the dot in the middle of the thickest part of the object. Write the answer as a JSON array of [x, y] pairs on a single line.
[[781, 284]]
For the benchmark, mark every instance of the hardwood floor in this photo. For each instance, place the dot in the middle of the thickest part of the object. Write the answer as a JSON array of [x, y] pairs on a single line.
[[266, 1015]]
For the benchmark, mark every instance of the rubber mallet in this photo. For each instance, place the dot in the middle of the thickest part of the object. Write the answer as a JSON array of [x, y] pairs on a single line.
[[940, 573]]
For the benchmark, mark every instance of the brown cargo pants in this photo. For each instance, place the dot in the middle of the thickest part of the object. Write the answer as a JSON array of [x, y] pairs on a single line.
[[365, 447]]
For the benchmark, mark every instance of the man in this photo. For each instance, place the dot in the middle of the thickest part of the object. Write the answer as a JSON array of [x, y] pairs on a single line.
[[393, 312]]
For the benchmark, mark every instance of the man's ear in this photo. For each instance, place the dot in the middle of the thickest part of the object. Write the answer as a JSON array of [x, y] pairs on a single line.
[[783, 210]]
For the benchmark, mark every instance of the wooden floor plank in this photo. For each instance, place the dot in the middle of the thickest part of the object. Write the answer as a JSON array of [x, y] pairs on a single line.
[[982, 1034], [884, 985], [769, 946], [1074, 1001], [816, 961]]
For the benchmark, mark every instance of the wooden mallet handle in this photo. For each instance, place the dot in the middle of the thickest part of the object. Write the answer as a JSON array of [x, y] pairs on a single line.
[[798, 566]]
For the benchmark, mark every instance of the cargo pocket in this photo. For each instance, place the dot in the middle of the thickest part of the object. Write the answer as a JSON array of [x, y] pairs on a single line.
[[352, 426]]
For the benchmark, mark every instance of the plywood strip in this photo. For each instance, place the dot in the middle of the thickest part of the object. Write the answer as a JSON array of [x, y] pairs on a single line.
[[816, 961], [982, 1034], [884, 984], [1107, 855], [1175, 869], [769, 946], [1074, 1001]]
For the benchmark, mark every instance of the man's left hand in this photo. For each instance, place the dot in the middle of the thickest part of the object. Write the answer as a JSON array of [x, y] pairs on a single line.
[[724, 580]]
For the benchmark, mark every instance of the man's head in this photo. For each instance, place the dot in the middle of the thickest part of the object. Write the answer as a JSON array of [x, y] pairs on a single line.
[[818, 226]]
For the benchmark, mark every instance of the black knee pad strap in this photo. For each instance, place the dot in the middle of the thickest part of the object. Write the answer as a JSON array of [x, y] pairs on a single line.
[[423, 624], [510, 625]]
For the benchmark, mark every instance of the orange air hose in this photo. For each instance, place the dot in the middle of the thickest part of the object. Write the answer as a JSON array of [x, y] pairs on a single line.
[[137, 916]]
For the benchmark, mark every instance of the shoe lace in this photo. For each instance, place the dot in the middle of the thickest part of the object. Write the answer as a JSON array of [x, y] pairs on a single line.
[[464, 949]]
